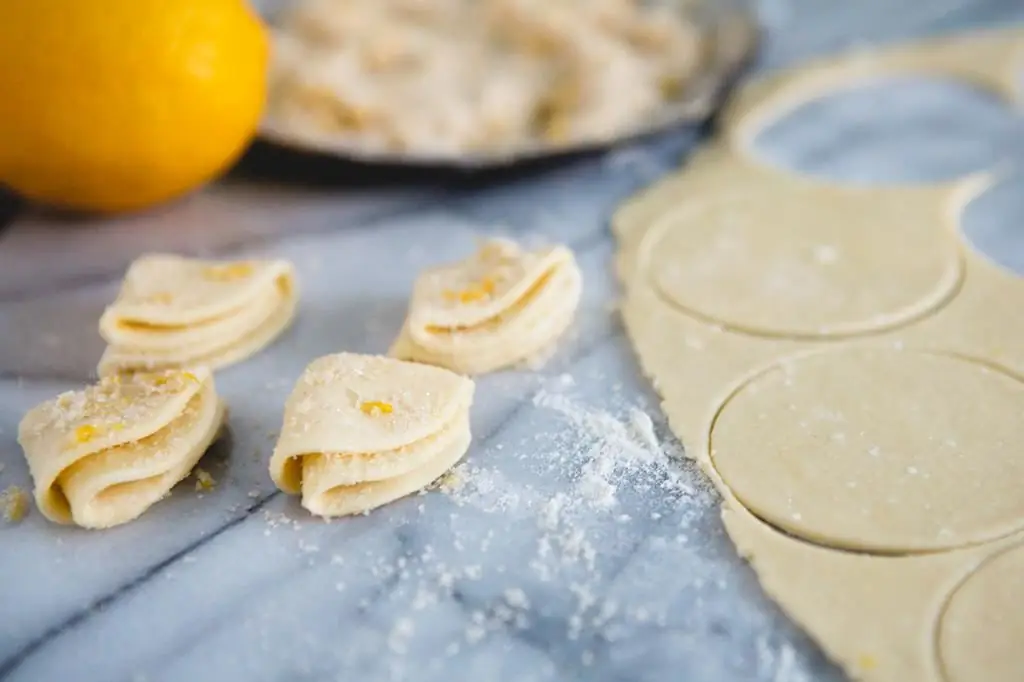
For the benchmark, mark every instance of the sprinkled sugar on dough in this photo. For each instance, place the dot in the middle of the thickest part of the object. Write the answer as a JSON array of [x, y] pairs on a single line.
[[361, 431], [102, 456], [866, 402], [501, 306], [179, 312]]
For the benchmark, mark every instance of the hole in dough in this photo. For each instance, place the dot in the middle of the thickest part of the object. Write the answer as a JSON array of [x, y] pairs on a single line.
[[896, 130], [877, 450], [803, 266], [982, 627], [993, 223]]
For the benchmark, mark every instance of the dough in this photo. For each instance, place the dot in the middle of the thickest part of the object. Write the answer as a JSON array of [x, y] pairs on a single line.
[[846, 369], [882, 450], [979, 635], [498, 307], [179, 312], [102, 456], [361, 431], [810, 275], [877, 616]]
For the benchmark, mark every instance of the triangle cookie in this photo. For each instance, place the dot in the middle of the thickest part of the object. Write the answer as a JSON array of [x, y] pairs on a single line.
[[176, 312], [501, 306], [361, 431], [102, 456]]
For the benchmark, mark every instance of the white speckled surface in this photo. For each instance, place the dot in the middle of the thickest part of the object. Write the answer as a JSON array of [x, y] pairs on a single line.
[[485, 585]]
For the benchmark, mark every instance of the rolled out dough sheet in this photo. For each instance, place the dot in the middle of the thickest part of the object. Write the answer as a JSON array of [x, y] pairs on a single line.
[[848, 372]]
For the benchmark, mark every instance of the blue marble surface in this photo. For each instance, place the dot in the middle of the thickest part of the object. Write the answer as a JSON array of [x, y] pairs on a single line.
[[572, 549]]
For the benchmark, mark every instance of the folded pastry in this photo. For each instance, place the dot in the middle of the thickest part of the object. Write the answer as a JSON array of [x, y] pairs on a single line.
[[361, 431], [501, 306], [181, 312], [102, 456]]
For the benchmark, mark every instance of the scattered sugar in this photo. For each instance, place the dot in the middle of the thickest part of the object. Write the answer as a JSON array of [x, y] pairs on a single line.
[[400, 634], [779, 664], [602, 459], [482, 487], [516, 598]]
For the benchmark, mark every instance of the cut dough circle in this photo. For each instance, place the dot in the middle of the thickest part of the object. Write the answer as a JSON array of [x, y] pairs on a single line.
[[102, 456], [778, 263], [179, 312], [979, 633], [361, 431], [931, 436]]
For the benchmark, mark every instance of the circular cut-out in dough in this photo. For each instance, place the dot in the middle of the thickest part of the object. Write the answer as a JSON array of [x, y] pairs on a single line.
[[877, 450], [991, 222], [981, 627], [784, 266], [883, 131]]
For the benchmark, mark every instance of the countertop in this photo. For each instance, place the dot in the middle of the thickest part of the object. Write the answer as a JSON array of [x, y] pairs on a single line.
[[573, 544]]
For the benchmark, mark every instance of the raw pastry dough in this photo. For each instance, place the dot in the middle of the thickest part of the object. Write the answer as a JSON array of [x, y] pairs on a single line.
[[361, 431], [102, 456], [180, 312], [883, 450], [501, 306], [878, 616], [979, 635], [847, 370], [715, 260]]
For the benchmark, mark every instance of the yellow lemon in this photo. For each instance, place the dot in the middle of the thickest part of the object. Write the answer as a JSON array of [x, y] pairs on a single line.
[[112, 105]]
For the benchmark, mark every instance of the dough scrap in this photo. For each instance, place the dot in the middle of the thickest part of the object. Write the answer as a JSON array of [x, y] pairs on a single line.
[[102, 456], [361, 431], [499, 307], [874, 615], [180, 312], [929, 355], [979, 634]]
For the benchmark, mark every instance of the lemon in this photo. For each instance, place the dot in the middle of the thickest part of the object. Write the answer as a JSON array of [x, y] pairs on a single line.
[[114, 105]]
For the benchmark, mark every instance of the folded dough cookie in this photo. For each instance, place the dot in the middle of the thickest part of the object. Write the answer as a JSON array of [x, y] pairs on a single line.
[[181, 312], [361, 431], [102, 456], [500, 306]]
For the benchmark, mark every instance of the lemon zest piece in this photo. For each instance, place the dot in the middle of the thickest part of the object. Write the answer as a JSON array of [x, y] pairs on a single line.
[[376, 407], [474, 292], [204, 481], [85, 433], [13, 504], [228, 272]]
